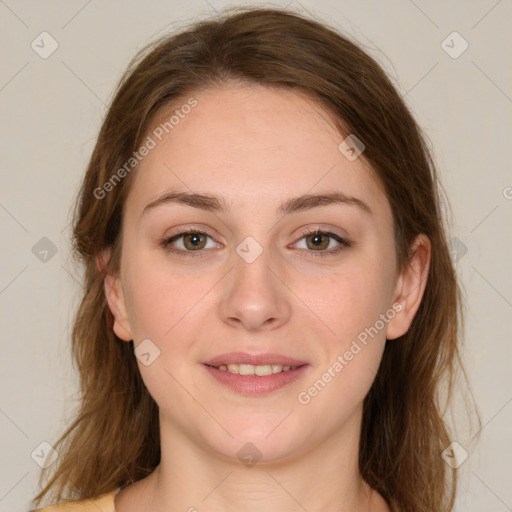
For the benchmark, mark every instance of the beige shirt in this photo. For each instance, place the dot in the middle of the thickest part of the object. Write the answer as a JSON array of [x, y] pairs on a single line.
[[105, 503]]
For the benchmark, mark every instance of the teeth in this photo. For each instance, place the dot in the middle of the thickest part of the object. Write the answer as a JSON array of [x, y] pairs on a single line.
[[259, 370]]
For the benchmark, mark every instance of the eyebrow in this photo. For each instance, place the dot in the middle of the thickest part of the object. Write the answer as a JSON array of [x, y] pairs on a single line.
[[213, 203]]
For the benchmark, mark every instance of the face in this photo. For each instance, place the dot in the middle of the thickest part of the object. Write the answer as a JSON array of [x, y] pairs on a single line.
[[246, 273]]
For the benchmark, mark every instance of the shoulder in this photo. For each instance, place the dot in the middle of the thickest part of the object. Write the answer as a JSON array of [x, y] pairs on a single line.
[[105, 503]]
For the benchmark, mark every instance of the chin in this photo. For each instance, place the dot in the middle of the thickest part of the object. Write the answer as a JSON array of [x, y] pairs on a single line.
[[261, 443]]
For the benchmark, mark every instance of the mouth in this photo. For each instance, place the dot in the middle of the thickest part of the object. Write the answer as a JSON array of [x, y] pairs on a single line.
[[255, 380], [255, 370], [246, 359]]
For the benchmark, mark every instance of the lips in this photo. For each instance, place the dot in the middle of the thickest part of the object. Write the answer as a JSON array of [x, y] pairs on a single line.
[[255, 385], [255, 374], [253, 359]]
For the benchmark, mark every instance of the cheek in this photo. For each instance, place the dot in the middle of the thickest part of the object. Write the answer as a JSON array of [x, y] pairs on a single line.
[[353, 350], [162, 310], [352, 302], [353, 307], [156, 301]]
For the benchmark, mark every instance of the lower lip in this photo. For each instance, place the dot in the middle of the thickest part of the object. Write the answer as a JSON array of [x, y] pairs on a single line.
[[253, 385]]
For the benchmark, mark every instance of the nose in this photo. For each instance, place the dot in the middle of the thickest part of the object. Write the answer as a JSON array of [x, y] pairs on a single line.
[[255, 296]]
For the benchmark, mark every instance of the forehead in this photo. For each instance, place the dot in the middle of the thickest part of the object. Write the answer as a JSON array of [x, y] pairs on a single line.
[[249, 143]]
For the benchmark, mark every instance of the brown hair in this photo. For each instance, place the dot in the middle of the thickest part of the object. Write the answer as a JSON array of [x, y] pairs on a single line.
[[114, 439]]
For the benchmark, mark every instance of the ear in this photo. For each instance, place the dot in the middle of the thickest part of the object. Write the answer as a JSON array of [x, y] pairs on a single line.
[[115, 299], [410, 287]]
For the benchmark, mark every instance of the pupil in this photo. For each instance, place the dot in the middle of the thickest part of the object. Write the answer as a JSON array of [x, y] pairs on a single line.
[[193, 241], [317, 239]]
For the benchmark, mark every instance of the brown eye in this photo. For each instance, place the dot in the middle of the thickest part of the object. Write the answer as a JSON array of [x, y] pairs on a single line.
[[318, 241], [194, 241], [189, 243]]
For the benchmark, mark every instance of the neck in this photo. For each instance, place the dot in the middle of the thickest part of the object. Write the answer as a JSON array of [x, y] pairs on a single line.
[[194, 478]]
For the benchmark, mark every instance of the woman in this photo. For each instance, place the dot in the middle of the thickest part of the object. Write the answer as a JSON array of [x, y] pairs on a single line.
[[270, 306]]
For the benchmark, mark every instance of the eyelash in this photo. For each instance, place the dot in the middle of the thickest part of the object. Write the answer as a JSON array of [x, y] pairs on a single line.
[[166, 243]]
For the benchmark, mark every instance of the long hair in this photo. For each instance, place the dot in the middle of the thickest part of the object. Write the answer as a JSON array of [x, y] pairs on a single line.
[[114, 438]]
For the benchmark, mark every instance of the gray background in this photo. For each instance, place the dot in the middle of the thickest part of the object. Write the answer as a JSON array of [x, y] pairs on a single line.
[[51, 111]]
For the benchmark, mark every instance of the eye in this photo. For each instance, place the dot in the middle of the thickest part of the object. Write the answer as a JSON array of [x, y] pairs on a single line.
[[318, 241], [191, 241]]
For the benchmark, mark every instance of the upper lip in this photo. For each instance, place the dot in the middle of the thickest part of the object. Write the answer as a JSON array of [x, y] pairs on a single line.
[[253, 359]]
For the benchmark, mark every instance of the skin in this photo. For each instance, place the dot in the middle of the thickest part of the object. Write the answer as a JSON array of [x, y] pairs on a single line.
[[256, 147]]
